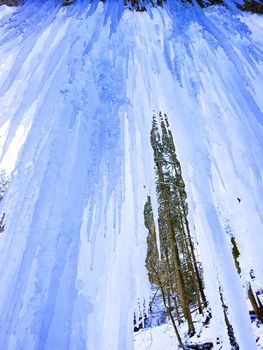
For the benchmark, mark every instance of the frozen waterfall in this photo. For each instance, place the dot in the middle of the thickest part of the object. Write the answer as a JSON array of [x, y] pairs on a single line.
[[78, 87]]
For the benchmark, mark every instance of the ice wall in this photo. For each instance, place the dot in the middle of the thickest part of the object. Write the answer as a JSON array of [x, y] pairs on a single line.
[[78, 87]]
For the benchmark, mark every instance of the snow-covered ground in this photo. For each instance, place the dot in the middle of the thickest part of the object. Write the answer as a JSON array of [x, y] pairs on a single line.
[[157, 338], [78, 87], [163, 337]]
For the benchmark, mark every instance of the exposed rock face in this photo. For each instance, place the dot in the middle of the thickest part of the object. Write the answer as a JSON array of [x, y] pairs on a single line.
[[138, 5], [68, 2], [253, 6], [10, 2]]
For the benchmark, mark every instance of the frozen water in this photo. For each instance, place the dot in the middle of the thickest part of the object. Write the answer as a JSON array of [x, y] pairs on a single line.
[[78, 87]]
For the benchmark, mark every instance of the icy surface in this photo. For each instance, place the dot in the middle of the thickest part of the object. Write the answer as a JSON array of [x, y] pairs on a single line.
[[78, 87]]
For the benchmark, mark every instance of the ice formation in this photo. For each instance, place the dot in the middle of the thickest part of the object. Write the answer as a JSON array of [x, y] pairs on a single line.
[[78, 87]]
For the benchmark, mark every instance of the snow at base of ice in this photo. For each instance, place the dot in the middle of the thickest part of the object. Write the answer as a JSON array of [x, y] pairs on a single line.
[[78, 87], [163, 337]]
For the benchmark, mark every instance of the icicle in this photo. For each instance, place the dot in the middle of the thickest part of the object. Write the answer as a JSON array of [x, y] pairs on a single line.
[[78, 86]]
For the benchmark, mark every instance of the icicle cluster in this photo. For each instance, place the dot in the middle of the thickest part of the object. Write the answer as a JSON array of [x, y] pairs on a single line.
[[78, 86]]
